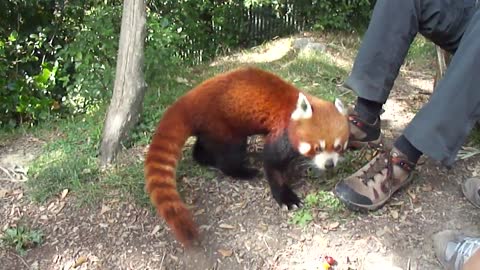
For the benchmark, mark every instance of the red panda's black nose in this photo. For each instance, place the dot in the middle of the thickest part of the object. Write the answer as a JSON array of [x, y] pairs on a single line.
[[329, 164]]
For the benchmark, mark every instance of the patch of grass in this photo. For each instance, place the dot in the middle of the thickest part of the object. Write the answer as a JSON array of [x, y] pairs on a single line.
[[302, 217], [312, 72], [69, 159], [21, 238], [474, 137], [324, 200], [52, 176], [421, 53], [128, 180], [321, 200]]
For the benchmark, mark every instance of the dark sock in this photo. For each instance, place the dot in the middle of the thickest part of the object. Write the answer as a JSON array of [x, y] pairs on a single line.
[[368, 110], [404, 146]]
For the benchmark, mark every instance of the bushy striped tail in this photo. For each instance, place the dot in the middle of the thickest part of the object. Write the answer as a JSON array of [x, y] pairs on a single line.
[[160, 173]]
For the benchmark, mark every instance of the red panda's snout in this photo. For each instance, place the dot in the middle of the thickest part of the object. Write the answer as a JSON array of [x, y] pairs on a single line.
[[322, 155], [329, 156], [326, 160]]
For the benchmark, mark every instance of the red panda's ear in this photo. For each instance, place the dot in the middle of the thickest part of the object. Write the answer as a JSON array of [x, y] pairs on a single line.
[[340, 107], [303, 109]]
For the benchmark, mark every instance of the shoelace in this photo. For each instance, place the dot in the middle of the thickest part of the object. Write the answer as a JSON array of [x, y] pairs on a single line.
[[377, 166], [464, 250], [382, 162]]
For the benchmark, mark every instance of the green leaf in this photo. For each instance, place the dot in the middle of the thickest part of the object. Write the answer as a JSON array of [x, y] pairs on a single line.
[[13, 36]]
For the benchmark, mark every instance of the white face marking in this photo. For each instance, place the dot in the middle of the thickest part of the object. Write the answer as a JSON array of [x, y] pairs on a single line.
[[322, 144], [345, 145], [321, 159], [336, 143], [304, 148], [303, 109]]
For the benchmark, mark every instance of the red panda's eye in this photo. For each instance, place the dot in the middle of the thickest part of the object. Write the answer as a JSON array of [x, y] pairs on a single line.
[[338, 148], [317, 148]]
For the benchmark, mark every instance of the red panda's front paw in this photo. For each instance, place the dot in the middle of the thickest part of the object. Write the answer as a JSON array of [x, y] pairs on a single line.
[[285, 196]]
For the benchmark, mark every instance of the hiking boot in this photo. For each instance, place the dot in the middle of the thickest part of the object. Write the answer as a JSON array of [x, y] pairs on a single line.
[[471, 190], [453, 248], [372, 186], [362, 133]]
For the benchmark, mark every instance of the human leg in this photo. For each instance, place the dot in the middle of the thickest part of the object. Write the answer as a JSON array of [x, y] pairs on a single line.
[[393, 27], [438, 130], [441, 127]]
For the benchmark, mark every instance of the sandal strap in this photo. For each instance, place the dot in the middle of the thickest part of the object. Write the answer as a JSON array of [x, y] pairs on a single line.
[[396, 158], [404, 163], [371, 130], [387, 160]]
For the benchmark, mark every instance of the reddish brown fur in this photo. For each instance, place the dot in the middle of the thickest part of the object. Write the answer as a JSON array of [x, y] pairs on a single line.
[[228, 107], [329, 125]]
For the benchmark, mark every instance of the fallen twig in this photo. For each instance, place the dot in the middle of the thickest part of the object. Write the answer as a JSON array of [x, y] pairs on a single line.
[[11, 177], [161, 263], [467, 152], [6, 172], [21, 259]]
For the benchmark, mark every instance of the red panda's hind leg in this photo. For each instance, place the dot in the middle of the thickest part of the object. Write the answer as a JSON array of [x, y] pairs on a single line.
[[230, 158], [203, 152]]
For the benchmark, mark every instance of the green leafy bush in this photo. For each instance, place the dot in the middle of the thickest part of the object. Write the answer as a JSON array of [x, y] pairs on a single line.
[[59, 57], [92, 54], [161, 47], [338, 15], [28, 78]]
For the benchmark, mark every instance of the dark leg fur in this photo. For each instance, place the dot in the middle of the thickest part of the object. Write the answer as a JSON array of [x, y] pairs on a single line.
[[278, 153], [229, 158], [281, 192], [201, 154]]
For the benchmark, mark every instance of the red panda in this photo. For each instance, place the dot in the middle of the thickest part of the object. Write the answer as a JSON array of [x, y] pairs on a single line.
[[222, 112]]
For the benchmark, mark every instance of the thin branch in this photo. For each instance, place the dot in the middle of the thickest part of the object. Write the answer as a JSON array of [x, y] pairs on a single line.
[[21, 259], [11, 178], [161, 263]]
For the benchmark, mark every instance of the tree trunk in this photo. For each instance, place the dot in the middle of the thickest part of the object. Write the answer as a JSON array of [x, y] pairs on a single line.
[[129, 89]]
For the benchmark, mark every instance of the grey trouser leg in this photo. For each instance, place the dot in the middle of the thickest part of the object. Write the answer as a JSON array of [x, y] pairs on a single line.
[[393, 26], [440, 128]]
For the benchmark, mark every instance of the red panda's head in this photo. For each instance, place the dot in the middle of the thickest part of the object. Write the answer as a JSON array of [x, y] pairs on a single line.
[[319, 130]]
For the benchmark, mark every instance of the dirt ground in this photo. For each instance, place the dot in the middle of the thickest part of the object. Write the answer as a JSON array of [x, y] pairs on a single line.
[[241, 225]]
